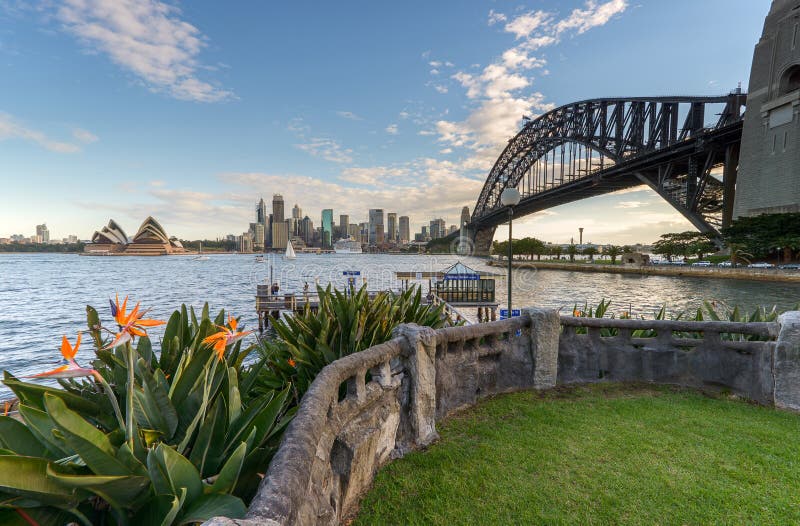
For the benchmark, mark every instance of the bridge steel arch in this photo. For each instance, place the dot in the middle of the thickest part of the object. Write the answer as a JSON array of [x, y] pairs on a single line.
[[675, 145]]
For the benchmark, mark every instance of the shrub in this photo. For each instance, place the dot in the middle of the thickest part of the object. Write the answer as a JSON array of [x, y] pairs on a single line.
[[188, 445]]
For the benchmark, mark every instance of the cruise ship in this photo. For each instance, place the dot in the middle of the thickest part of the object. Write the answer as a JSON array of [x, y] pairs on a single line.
[[347, 246]]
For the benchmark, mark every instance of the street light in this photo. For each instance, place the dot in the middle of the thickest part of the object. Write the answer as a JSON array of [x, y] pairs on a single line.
[[510, 198]]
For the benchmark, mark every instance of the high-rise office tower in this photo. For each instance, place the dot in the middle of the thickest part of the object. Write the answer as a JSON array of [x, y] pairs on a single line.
[[297, 212], [261, 212], [277, 209], [327, 227], [307, 230], [376, 226], [437, 228], [405, 230], [344, 225], [391, 219], [42, 233]]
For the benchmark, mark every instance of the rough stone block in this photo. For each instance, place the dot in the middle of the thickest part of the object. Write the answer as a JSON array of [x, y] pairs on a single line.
[[545, 330], [786, 362]]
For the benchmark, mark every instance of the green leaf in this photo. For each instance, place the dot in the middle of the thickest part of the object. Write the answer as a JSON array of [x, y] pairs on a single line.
[[33, 395], [207, 448], [27, 477], [93, 446], [15, 436], [121, 492], [234, 400], [214, 505], [41, 425], [171, 471], [229, 475]]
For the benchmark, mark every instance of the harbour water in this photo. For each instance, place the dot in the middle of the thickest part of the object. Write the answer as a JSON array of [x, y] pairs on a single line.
[[43, 296]]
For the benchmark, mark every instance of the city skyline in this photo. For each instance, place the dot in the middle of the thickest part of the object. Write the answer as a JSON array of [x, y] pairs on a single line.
[[399, 126]]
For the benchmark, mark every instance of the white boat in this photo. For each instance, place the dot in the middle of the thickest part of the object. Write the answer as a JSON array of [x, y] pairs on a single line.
[[347, 246], [200, 256], [289, 252]]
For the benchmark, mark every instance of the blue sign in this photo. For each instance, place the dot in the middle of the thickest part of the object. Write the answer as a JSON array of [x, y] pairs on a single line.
[[462, 277], [351, 273], [515, 313]]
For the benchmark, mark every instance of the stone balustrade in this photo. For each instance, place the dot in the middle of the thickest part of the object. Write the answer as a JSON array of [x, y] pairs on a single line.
[[368, 408]]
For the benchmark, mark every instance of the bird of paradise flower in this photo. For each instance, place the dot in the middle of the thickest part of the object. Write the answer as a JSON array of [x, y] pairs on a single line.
[[226, 336]]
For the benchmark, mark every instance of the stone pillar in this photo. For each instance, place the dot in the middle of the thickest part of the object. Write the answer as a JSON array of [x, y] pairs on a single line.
[[786, 362], [419, 354], [545, 330]]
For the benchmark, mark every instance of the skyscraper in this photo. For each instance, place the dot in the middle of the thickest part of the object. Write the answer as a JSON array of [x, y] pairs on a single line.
[[344, 225], [42, 234], [375, 226], [280, 231], [392, 226], [437, 228], [307, 230], [297, 212], [405, 230], [261, 212], [327, 227], [277, 209]]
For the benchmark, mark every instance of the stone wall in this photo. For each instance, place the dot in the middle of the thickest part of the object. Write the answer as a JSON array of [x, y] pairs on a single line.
[[368, 408]]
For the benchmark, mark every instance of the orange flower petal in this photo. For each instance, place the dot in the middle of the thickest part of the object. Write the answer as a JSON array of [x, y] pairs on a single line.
[[150, 323]]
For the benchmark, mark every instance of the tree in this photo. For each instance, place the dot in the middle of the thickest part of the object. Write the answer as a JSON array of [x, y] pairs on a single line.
[[766, 235], [556, 251], [591, 252], [613, 251]]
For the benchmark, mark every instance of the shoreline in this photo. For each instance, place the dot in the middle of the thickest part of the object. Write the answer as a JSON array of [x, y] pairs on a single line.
[[742, 274]]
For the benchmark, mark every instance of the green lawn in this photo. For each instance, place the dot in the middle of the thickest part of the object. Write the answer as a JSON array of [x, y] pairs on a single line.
[[605, 454]]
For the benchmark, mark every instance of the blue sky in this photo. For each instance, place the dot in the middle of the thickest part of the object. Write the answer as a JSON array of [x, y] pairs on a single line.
[[190, 111]]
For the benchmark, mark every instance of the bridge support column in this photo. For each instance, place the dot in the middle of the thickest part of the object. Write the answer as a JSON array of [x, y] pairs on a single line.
[[729, 174], [482, 241]]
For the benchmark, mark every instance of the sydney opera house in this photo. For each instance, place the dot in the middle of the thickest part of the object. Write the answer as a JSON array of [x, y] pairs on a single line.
[[150, 240]]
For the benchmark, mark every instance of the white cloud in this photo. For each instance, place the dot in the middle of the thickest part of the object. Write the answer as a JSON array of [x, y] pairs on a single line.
[[86, 137], [495, 17], [501, 89], [375, 175], [147, 38], [349, 115], [630, 204], [404, 115], [523, 25], [434, 71], [440, 89], [392, 129], [593, 15], [10, 128], [327, 149]]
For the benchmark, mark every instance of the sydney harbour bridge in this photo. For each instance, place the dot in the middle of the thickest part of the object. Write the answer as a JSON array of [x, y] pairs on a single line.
[[684, 148]]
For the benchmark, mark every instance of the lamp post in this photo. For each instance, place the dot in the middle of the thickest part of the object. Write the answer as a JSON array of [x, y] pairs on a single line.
[[510, 198]]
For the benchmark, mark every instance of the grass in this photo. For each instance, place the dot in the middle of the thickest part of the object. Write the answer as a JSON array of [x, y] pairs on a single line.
[[603, 454]]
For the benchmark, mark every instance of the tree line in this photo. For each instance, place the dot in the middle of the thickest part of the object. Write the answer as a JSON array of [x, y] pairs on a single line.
[[530, 247]]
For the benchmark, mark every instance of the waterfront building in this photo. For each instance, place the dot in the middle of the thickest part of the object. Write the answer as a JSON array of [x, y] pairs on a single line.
[[465, 217], [42, 233], [327, 228], [405, 230], [268, 232], [769, 169], [354, 232], [344, 225], [376, 233], [245, 243], [453, 229], [150, 240], [297, 212], [391, 219], [277, 209]]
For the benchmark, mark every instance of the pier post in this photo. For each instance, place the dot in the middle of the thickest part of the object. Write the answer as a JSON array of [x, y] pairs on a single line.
[[786, 362], [545, 330]]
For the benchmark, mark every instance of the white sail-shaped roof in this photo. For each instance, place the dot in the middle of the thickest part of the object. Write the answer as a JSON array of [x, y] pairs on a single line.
[[151, 231]]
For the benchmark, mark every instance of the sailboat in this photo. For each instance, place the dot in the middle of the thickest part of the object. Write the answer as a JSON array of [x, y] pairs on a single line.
[[289, 252], [200, 256]]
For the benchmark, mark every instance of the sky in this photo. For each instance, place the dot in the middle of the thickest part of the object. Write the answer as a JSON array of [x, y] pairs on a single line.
[[191, 111]]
